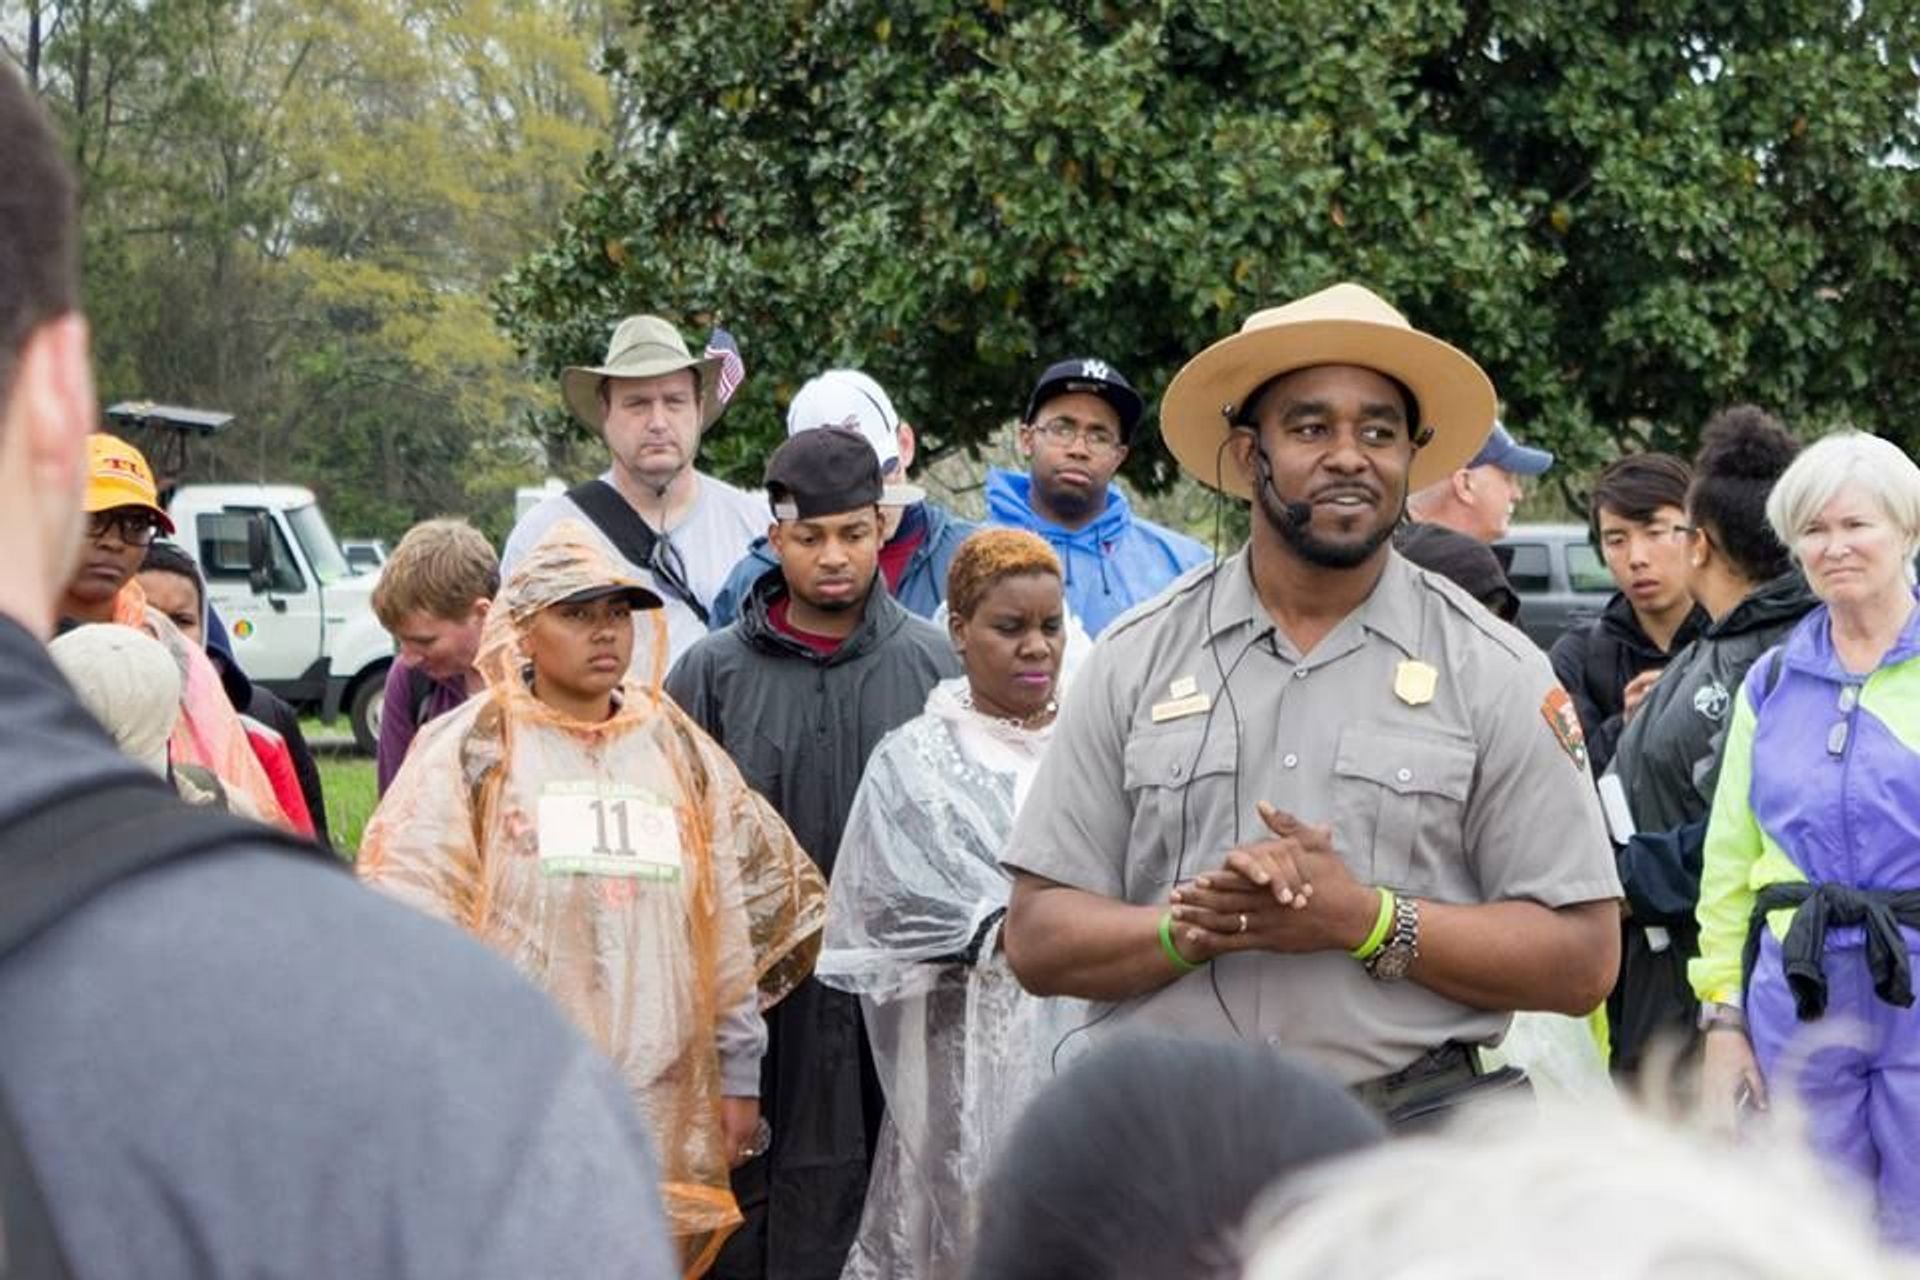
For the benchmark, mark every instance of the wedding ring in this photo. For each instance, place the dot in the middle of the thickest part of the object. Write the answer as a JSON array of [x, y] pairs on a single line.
[[1243, 922]]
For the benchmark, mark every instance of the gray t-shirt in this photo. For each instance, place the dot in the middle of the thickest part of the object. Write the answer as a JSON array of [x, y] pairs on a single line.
[[710, 539], [246, 1064]]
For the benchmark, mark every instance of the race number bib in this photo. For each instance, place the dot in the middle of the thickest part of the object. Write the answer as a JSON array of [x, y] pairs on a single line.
[[605, 829]]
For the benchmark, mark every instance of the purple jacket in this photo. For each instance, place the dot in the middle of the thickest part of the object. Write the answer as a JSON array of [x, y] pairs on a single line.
[[412, 698]]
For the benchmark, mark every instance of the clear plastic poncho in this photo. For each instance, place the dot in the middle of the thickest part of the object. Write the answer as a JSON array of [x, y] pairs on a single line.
[[913, 928], [624, 867]]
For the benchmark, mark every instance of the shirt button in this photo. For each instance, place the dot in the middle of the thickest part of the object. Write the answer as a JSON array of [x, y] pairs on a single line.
[[1173, 770], [1290, 760], [1300, 673], [1273, 1042], [1405, 775]]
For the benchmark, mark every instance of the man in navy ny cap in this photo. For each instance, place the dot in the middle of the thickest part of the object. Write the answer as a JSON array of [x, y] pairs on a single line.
[[821, 664], [1478, 499], [1078, 427]]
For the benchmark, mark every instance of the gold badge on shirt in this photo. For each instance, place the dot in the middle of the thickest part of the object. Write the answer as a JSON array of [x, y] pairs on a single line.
[[1414, 682]]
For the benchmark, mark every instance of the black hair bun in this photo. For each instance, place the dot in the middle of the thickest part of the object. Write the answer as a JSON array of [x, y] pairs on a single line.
[[1744, 442]]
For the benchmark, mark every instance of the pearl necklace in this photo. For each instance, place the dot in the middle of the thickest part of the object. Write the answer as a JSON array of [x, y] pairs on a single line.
[[1038, 720]]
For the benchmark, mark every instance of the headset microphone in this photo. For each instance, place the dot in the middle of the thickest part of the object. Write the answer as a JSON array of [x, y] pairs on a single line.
[[1296, 513]]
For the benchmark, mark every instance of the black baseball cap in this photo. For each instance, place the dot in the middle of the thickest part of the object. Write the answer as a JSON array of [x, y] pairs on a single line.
[[1095, 377], [823, 472]]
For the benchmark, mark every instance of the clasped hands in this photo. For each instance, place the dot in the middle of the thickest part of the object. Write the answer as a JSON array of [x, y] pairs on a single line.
[[1290, 892]]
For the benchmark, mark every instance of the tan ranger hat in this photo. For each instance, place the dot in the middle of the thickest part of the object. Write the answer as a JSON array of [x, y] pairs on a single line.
[[1346, 324]]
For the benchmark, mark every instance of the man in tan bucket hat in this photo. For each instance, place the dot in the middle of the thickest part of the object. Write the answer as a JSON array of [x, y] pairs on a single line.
[[677, 528], [1313, 794]]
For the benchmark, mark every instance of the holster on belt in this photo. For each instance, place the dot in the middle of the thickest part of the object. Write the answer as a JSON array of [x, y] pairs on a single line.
[[1425, 1091]]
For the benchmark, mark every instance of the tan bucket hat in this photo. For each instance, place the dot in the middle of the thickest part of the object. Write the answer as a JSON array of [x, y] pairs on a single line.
[[1346, 324], [642, 347]]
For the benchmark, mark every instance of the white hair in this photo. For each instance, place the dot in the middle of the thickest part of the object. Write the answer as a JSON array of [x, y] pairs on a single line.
[[1878, 468], [1601, 1192]]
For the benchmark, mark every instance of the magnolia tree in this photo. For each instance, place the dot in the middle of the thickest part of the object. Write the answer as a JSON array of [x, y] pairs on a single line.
[[1629, 217]]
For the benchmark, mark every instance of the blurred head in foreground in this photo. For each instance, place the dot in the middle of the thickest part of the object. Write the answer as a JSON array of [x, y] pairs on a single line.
[[1142, 1160], [1602, 1193]]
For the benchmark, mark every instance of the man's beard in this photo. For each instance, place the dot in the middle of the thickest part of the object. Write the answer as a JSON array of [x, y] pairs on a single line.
[[1314, 549], [1073, 504]]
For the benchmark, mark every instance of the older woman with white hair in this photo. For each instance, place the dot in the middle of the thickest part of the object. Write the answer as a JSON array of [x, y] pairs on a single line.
[[1810, 892]]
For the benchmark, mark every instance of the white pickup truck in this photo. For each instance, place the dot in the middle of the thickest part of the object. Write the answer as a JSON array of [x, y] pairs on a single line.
[[300, 618]]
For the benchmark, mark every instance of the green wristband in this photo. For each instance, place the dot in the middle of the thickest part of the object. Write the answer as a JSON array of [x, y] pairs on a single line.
[[1180, 963], [1382, 925]]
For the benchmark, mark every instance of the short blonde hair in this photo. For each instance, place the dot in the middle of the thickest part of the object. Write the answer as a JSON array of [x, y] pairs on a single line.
[[441, 567], [1846, 459]]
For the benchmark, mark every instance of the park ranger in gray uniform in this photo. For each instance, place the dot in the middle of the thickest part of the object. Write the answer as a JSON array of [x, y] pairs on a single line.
[[1317, 796]]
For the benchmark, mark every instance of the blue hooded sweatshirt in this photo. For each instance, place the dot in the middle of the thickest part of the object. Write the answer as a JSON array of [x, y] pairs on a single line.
[[923, 584], [1113, 562]]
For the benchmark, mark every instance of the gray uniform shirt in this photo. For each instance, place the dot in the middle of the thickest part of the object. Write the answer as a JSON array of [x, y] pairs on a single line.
[[1471, 795]]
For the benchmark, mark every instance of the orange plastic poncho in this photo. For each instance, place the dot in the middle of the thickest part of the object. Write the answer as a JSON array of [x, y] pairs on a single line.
[[503, 820], [209, 733]]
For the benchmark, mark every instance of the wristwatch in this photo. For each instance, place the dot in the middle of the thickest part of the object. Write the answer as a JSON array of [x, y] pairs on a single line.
[[1402, 947]]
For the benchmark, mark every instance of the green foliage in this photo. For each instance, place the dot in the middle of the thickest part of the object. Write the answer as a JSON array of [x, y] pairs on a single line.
[[293, 211], [1629, 214]]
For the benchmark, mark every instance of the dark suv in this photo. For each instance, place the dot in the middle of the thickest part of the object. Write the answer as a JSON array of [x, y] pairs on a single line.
[[1558, 576]]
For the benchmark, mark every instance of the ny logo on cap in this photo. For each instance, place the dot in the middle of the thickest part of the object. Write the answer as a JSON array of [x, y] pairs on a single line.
[[1095, 369]]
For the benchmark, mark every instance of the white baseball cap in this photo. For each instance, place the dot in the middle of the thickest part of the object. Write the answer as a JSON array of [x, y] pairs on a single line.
[[851, 401]]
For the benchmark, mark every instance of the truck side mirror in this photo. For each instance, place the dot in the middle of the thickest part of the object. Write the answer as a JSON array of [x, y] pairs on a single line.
[[259, 561]]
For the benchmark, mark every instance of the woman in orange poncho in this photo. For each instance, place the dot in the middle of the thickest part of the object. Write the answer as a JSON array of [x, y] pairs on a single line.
[[123, 515], [577, 822]]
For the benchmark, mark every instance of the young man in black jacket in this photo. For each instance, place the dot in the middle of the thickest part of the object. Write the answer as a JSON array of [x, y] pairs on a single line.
[[1637, 518], [799, 690]]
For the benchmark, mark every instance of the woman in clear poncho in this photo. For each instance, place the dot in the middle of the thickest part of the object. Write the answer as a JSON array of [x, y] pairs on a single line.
[[576, 821], [913, 926]]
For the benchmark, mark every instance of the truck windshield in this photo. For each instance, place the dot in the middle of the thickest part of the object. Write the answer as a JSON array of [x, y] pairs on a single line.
[[317, 540]]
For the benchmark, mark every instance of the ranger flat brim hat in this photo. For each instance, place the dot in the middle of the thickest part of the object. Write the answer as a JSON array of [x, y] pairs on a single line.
[[642, 347], [1343, 325]]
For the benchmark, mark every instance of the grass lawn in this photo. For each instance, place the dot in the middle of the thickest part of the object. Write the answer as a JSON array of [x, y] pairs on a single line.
[[347, 780], [346, 777]]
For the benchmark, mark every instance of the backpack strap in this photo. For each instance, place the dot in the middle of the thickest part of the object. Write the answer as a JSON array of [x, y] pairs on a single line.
[[632, 537], [62, 854], [29, 1245], [419, 696], [52, 863]]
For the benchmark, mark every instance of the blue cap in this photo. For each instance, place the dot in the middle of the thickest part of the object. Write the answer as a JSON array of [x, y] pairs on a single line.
[[1095, 377], [1503, 451]]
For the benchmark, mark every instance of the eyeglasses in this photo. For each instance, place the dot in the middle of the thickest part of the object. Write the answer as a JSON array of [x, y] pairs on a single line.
[[1064, 431], [136, 528]]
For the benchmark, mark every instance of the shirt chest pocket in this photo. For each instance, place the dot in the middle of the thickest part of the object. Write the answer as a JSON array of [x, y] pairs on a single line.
[[1400, 804], [1180, 786]]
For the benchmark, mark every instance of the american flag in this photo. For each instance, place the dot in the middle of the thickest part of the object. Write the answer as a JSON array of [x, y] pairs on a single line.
[[733, 370]]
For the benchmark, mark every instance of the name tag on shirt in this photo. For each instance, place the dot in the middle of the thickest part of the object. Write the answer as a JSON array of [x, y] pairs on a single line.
[[607, 829], [1174, 709]]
